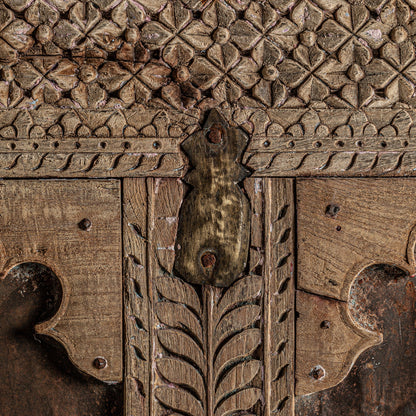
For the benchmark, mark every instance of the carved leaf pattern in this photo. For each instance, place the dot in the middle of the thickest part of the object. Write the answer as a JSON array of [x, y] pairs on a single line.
[[207, 365]]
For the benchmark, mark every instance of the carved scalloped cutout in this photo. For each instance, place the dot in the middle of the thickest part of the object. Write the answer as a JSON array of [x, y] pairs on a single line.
[[41, 222], [345, 227], [328, 342]]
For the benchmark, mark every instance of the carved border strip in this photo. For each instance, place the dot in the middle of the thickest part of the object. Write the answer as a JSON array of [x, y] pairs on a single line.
[[136, 297], [279, 302]]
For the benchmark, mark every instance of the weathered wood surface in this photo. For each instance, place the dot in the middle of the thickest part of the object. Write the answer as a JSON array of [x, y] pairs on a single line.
[[328, 342], [279, 298], [200, 349], [382, 381], [324, 88], [37, 378], [73, 228], [344, 227]]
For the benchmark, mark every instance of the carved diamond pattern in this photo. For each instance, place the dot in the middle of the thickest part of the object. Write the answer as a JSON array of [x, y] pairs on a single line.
[[194, 53]]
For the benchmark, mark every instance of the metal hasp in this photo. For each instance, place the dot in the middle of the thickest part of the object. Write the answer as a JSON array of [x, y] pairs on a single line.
[[214, 227]]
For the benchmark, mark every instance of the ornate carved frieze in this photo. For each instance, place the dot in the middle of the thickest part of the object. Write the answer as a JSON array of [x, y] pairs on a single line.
[[184, 54]]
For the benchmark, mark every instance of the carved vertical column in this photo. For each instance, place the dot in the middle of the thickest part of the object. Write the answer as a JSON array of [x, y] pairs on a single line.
[[279, 299], [136, 297]]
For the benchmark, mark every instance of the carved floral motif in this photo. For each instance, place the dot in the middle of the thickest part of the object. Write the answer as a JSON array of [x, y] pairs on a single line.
[[181, 54]]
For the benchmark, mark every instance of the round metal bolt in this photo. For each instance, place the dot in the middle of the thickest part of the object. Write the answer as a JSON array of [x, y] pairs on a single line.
[[85, 224], [100, 363], [215, 134], [317, 372], [325, 324], [332, 210], [208, 259]]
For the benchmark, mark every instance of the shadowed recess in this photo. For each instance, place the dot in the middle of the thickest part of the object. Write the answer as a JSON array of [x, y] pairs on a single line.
[[38, 378], [382, 382]]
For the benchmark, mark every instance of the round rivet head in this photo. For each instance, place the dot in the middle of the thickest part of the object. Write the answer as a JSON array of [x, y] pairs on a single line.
[[85, 224], [215, 134], [325, 324], [100, 363], [208, 260], [332, 210], [317, 372]]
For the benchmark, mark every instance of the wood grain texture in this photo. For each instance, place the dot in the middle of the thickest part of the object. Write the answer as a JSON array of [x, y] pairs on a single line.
[[327, 89], [41, 221], [206, 337], [345, 226], [136, 297], [371, 226], [381, 381], [203, 343], [279, 302], [328, 342], [175, 54]]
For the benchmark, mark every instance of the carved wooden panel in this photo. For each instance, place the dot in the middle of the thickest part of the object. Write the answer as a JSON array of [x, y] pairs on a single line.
[[202, 350], [111, 88], [205, 120], [72, 228]]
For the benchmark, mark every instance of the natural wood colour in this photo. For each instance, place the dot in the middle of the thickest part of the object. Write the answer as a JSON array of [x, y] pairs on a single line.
[[328, 342], [136, 297], [160, 93], [323, 88], [74, 229], [279, 298], [199, 349], [370, 225], [214, 226], [344, 227]]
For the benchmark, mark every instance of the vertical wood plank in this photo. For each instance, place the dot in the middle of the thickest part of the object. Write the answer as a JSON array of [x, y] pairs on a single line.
[[136, 299], [279, 312]]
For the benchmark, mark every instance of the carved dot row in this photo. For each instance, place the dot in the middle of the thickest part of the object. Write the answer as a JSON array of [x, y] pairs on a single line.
[[76, 145], [339, 144]]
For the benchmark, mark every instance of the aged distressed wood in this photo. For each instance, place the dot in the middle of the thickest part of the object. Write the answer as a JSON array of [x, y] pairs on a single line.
[[328, 342], [74, 229], [345, 225], [36, 375], [214, 226], [279, 300], [382, 380], [136, 297], [204, 343], [327, 88], [112, 88]]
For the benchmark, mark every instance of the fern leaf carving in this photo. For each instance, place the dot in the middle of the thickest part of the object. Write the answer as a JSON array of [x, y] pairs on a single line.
[[206, 366], [179, 400]]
